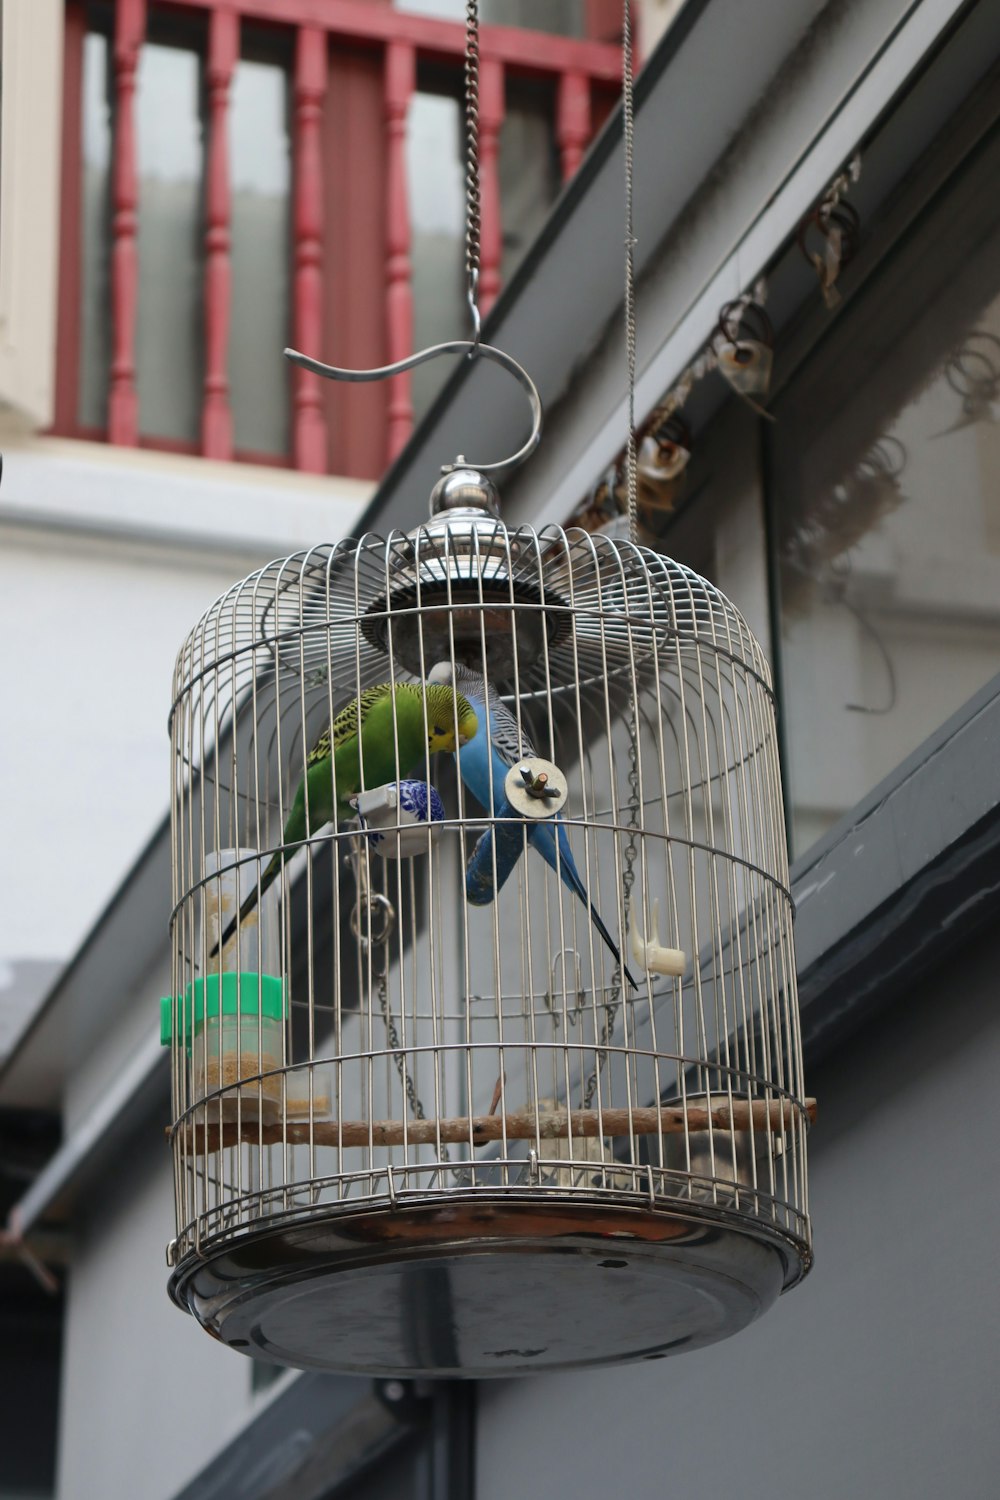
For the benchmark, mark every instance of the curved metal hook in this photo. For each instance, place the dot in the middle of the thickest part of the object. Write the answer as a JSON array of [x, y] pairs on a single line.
[[475, 350]]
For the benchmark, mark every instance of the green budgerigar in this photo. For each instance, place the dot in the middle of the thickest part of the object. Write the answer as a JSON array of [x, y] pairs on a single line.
[[427, 718]]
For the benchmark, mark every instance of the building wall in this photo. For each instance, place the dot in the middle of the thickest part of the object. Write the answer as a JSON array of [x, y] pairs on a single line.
[[877, 1376], [147, 1397], [107, 559]]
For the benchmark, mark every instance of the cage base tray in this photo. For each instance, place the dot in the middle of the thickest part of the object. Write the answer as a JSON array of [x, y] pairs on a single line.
[[486, 1288]]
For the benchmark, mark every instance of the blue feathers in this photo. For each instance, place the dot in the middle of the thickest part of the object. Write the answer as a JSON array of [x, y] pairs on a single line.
[[484, 762], [507, 839]]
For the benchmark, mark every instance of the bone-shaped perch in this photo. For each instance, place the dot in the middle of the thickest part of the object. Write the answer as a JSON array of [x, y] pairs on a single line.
[[648, 952], [521, 1125]]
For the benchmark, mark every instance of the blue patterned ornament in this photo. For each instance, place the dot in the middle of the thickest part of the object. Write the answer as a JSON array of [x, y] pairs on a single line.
[[396, 817]]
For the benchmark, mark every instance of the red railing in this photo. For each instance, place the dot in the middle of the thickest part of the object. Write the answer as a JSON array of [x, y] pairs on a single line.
[[367, 428], [123, 401]]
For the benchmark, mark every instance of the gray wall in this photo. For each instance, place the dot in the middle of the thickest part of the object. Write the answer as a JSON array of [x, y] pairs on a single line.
[[147, 1397], [878, 1376]]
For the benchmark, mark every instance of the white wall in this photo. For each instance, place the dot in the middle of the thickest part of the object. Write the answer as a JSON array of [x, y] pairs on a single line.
[[107, 559], [878, 1376], [654, 17], [147, 1396]]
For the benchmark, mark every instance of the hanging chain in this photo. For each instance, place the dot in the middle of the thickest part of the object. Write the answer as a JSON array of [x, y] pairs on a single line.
[[628, 136], [472, 192], [399, 1056], [628, 880], [628, 875], [373, 936]]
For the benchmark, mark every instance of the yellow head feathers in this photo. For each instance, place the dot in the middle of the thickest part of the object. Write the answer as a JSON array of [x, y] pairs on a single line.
[[444, 708]]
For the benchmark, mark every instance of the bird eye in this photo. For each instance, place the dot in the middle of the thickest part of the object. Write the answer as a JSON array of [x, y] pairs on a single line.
[[438, 729]]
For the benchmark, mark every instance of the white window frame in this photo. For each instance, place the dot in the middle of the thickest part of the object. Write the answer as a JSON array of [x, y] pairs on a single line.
[[30, 149]]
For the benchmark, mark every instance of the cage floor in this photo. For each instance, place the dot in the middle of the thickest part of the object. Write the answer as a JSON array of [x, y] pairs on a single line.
[[480, 1289]]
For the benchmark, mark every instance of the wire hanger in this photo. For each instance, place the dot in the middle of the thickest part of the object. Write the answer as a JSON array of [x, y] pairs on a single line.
[[473, 348]]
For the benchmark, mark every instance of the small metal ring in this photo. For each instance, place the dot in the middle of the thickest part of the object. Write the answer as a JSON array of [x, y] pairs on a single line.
[[454, 346], [379, 935]]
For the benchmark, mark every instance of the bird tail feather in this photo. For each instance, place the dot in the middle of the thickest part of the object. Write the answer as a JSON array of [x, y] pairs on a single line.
[[292, 837], [571, 875], [249, 902]]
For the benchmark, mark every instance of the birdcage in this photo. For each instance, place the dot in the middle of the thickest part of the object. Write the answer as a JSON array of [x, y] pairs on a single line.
[[484, 1028]]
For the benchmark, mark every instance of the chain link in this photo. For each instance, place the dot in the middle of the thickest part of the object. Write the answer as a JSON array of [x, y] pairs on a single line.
[[399, 1057], [628, 137], [628, 880], [392, 1036], [631, 479], [472, 190]]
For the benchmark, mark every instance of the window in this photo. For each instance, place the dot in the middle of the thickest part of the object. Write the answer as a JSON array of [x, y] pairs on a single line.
[[172, 241], [437, 220], [95, 268], [260, 162], [886, 461], [169, 339], [558, 17], [528, 181]]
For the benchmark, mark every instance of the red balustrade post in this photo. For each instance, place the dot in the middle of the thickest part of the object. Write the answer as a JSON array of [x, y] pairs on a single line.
[[573, 126], [491, 115], [307, 322], [400, 82], [353, 262], [123, 402], [216, 416]]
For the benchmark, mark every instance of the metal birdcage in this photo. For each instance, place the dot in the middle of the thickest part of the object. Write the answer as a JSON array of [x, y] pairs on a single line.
[[478, 1077]]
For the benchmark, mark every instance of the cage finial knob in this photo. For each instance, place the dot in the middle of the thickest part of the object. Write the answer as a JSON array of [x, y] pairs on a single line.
[[465, 489]]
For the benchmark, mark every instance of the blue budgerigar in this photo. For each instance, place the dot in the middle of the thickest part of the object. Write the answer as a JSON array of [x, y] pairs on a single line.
[[498, 750]]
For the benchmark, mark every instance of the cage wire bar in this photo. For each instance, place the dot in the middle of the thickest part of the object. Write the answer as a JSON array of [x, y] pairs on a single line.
[[409, 1108]]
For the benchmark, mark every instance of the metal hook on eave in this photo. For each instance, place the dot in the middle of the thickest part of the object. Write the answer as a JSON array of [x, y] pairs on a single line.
[[475, 350]]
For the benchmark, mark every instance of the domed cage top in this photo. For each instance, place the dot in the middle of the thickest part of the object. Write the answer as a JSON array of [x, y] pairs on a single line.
[[484, 1034]]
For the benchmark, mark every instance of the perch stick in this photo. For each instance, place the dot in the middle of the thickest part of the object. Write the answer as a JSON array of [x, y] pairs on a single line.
[[521, 1125]]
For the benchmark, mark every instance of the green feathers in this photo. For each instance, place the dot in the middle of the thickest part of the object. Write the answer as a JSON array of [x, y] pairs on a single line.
[[387, 731], [383, 734]]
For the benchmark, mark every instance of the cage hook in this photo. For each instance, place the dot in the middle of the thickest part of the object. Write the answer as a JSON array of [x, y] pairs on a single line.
[[474, 349], [573, 1015]]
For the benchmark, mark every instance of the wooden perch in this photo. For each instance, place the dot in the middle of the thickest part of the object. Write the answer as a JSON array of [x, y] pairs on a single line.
[[520, 1125]]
